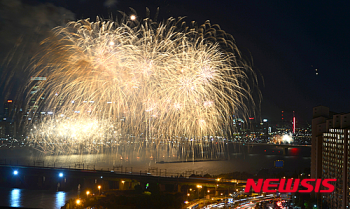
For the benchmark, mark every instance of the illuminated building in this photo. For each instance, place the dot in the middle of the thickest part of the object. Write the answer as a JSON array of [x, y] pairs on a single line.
[[8, 110], [15, 117], [10, 120], [330, 153], [293, 122], [35, 92], [320, 115], [335, 164], [238, 124]]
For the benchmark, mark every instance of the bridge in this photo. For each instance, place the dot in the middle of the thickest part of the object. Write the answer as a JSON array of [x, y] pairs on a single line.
[[65, 179], [270, 144], [284, 148]]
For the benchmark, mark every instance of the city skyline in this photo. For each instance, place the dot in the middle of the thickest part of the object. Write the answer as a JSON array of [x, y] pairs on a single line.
[[147, 106]]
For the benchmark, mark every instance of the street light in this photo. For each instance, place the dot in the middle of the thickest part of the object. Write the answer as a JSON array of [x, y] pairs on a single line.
[[99, 189], [15, 172], [87, 193], [199, 187], [77, 201], [60, 174]]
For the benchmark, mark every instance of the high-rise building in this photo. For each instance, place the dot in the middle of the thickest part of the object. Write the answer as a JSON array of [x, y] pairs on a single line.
[[335, 165], [8, 110], [36, 92], [10, 119], [320, 115], [330, 153], [16, 114], [36, 96]]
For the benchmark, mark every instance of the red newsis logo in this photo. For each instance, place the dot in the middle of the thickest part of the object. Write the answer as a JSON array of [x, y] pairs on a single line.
[[290, 185]]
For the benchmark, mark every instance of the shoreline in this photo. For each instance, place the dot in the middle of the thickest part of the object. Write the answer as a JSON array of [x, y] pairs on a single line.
[[192, 161]]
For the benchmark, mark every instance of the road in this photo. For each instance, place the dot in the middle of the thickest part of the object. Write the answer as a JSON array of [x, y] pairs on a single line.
[[249, 202]]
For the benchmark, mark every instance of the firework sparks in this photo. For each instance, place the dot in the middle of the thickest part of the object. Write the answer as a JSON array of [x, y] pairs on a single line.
[[162, 79]]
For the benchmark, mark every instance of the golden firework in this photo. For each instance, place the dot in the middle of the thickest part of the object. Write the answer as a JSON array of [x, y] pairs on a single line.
[[159, 80]]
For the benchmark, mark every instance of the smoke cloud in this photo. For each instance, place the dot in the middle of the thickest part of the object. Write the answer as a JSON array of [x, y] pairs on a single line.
[[23, 26]]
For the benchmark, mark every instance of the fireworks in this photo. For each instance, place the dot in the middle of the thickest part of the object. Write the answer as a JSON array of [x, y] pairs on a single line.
[[68, 135], [146, 79], [286, 138]]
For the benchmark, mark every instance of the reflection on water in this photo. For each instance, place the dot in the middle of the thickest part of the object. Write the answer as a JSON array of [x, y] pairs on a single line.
[[60, 199], [15, 198], [250, 159], [239, 158], [34, 198]]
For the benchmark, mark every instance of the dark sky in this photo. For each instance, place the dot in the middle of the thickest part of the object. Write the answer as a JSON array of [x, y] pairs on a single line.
[[287, 41]]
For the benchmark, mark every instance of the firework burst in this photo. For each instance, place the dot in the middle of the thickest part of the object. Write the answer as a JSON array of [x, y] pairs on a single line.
[[158, 80]]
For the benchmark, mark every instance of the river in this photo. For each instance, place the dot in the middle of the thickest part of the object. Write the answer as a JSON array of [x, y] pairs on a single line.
[[34, 198], [250, 159]]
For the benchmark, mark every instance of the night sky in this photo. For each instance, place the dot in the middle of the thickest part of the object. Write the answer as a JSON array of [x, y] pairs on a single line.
[[286, 41]]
